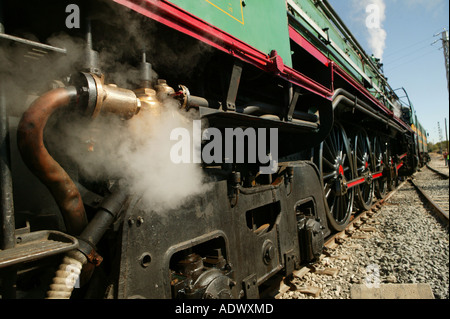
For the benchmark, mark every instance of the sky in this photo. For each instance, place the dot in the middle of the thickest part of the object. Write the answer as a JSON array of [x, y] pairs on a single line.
[[410, 60]]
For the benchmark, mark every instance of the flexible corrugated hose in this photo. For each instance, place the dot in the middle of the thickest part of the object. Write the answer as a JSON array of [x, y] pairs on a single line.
[[67, 276]]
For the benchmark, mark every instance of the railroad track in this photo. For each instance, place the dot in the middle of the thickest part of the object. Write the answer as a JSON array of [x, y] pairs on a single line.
[[436, 194], [336, 259], [440, 173], [361, 221]]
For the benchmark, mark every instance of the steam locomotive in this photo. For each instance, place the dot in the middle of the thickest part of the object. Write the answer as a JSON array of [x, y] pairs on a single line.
[[102, 198]]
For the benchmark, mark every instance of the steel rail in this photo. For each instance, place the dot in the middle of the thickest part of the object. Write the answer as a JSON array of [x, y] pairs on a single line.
[[274, 290], [330, 240], [443, 215], [443, 175]]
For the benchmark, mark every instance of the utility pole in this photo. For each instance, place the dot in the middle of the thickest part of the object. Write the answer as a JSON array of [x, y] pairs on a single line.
[[440, 137], [446, 137], [446, 53]]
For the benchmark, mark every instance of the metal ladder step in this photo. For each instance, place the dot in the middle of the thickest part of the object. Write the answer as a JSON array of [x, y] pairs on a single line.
[[37, 245]]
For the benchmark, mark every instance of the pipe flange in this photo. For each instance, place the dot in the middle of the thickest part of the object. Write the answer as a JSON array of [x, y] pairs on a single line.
[[184, 96], [87, 90]]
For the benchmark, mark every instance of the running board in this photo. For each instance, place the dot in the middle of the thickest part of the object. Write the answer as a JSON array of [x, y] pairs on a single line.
[[37, 245]]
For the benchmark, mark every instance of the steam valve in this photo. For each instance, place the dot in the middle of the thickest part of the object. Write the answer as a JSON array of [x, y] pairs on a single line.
[[102, 99]]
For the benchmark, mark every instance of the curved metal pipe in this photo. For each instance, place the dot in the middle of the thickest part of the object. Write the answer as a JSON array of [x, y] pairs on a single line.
[[30, 140], [254, 107], [340, 95], [71, 269]]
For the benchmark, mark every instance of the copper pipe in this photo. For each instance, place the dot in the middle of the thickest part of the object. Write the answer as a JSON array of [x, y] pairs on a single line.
[[30, 140]]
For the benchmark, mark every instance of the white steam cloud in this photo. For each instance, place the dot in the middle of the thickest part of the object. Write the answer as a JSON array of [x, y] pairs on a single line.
[[136, 151]]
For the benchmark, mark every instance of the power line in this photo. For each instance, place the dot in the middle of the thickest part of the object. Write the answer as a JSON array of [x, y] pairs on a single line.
[[409, 61], [401, 50], [445, 46], [411, 53]]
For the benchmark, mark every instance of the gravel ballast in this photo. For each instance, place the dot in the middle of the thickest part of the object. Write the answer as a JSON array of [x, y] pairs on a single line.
[[403, 243]]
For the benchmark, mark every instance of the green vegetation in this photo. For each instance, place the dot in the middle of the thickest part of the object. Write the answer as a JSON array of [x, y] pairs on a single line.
[[438, 147]]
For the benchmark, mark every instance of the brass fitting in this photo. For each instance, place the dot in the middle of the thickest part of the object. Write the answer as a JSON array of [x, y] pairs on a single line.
[[163, 89], [148, 100], [111, 99]]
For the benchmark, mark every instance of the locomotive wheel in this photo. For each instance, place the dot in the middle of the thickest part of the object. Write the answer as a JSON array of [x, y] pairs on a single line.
[[363, 167], [380, 161], [392, 178], [336, 166]]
